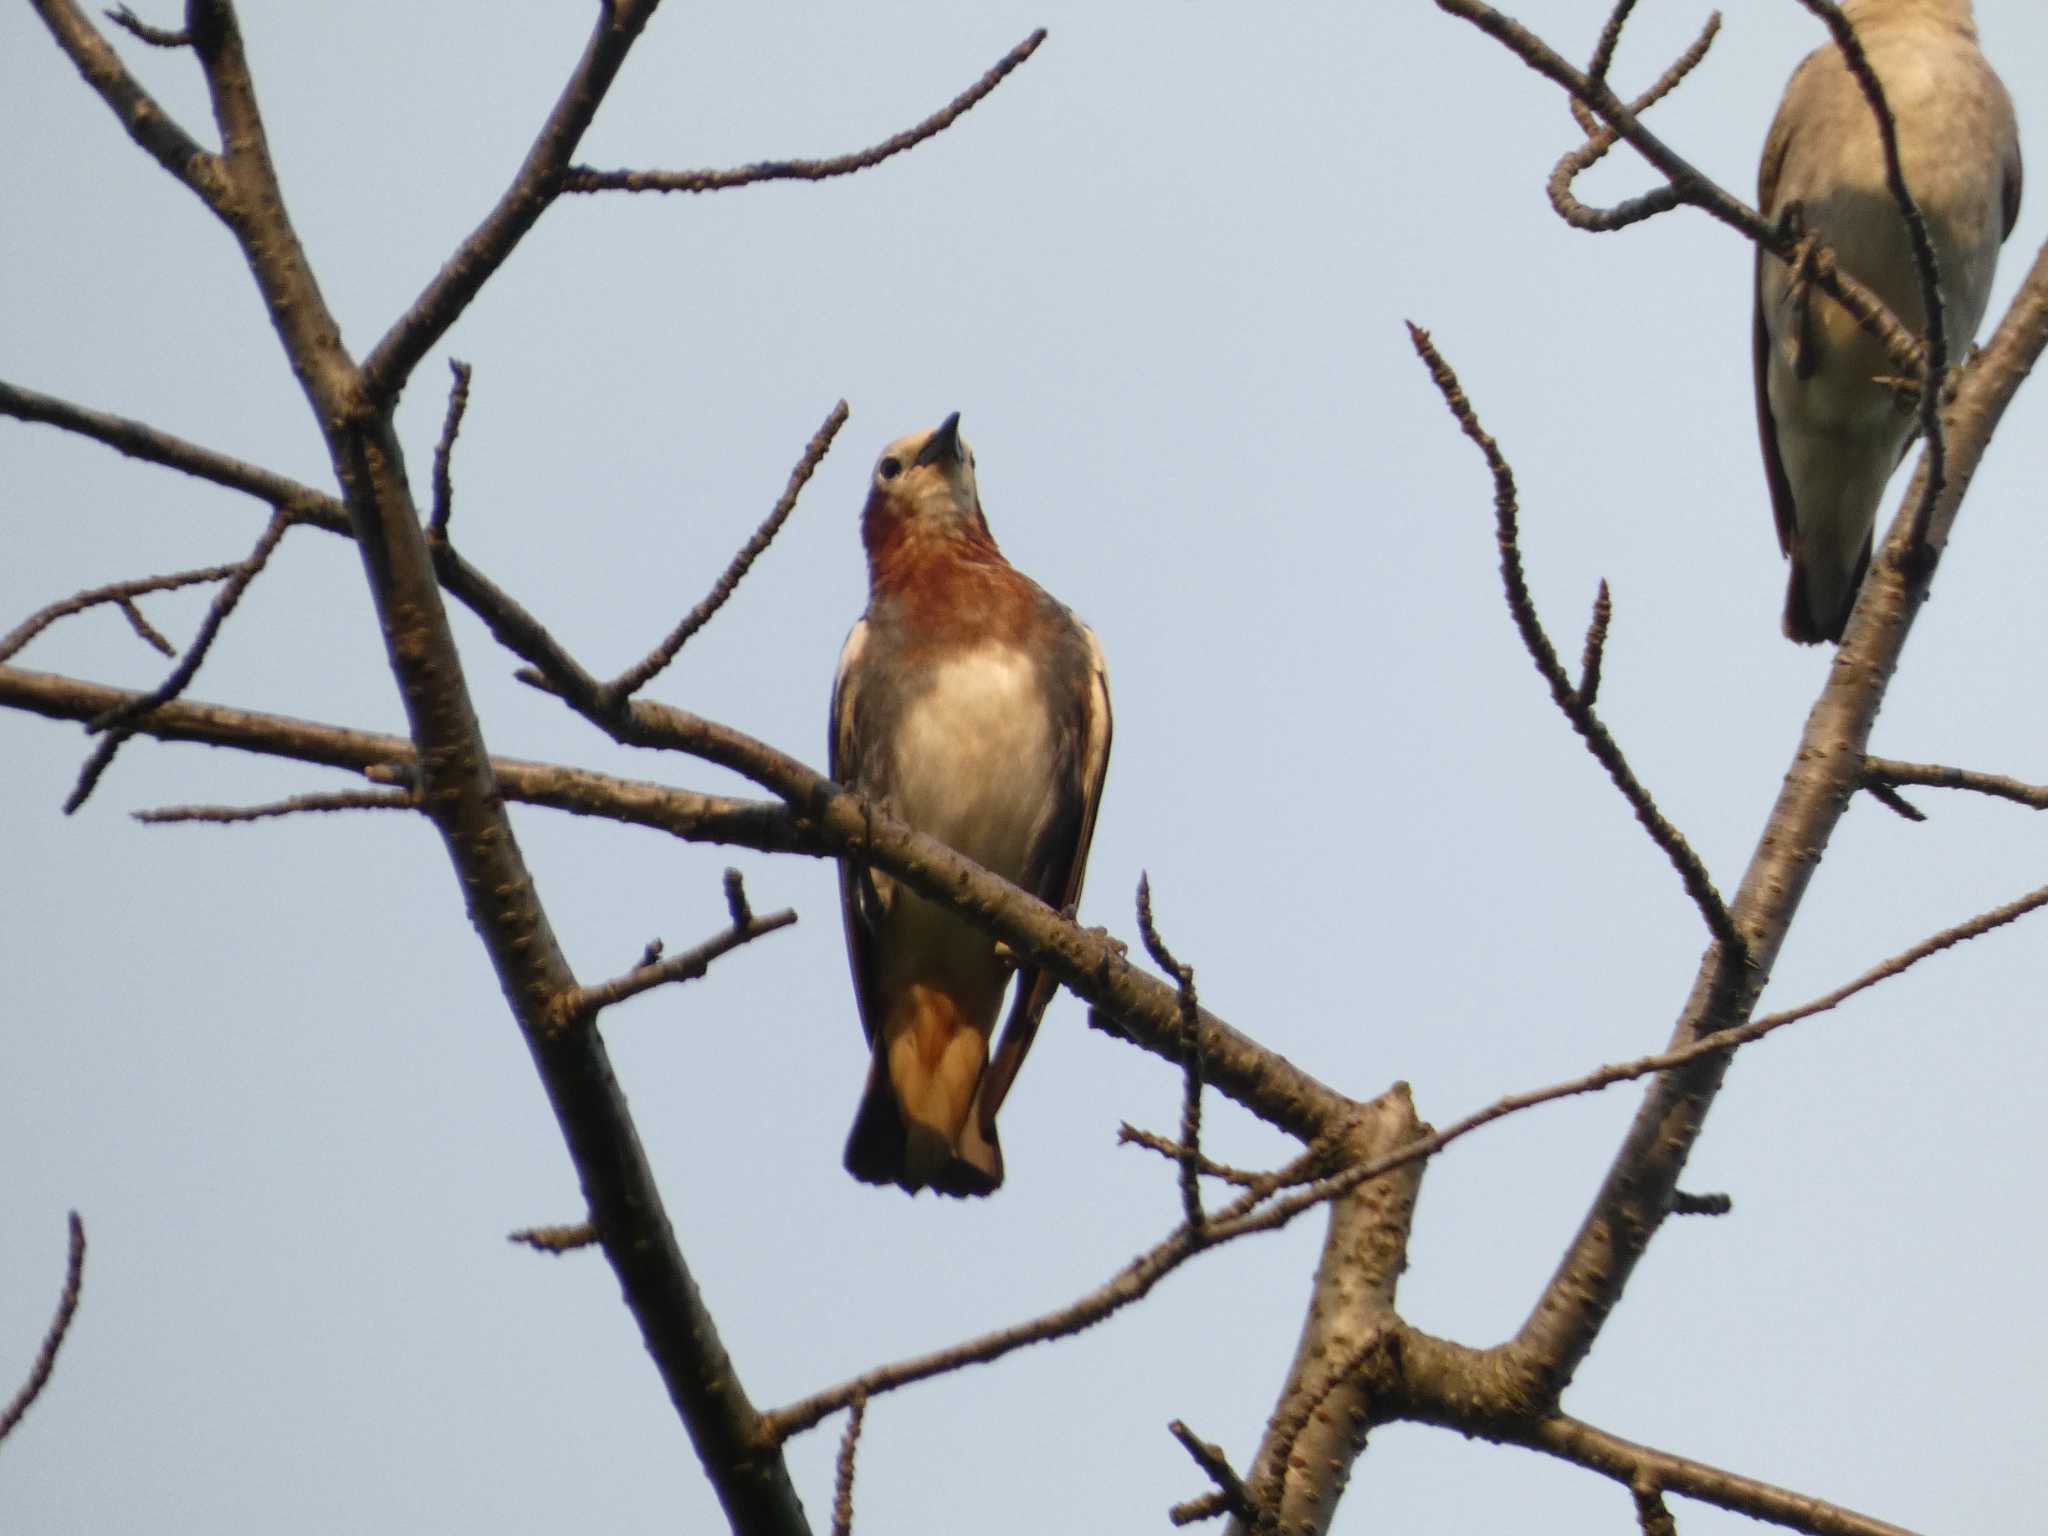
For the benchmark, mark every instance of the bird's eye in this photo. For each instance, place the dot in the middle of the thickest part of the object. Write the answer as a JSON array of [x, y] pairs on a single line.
[[889, 468]]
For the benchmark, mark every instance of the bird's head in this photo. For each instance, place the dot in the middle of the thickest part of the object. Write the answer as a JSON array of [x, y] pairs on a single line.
[[923, 490]]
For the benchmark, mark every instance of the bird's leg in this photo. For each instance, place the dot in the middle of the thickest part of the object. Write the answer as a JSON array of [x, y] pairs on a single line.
[[1072, 913]]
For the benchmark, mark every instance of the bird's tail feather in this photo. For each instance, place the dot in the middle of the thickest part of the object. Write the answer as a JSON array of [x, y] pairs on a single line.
[[1812, 616], [884, 1148]]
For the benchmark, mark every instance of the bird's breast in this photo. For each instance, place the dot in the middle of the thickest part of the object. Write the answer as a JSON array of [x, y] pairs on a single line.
[[974, 756]]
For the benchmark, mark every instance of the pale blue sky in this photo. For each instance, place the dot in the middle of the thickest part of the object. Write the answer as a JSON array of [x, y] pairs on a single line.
[[1162, 273]]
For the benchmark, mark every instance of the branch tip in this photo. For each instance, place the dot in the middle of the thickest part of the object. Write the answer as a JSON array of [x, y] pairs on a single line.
[[56, 1333]]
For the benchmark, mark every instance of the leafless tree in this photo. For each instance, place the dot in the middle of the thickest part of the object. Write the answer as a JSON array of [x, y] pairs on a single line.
[[1359, 1364]]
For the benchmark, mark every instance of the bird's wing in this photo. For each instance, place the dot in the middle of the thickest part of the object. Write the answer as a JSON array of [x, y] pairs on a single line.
[[1061, 886], [1782, 509], [2015, 179], [857, 899]]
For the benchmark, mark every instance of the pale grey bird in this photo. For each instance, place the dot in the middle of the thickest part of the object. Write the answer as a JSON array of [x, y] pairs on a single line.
[[1834, 426]]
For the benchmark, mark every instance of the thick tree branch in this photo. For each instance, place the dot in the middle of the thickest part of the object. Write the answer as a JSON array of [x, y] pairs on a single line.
[[153, 129], [818, 818], [1337, 1389]]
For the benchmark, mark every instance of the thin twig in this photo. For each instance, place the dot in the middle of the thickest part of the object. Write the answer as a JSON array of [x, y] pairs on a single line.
[[444, 451], [1610, 39], [1602, 61], [335, 800], [1629, 1464], [1683, 1204], [563, 1239], [1887, 773], [122, 593], [842, 1475], [1131, 1283], [1686, 183], [1698, 884], [152, 445], [585, 1003], [735, 902], [119, 724], [53, 1336], [1234, 1497], [636, 677], [1204, 1506], [1336, 1184], [1895, 802], [1128, 1135], [1596, 646], [1601, 138], [1191, 1057], [145, 631], [156, 37], [584, 179]]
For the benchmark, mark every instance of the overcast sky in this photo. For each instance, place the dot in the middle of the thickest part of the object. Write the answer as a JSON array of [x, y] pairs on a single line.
[[1162, 273]]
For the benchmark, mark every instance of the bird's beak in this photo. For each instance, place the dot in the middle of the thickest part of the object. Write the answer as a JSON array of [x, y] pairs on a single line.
[[943, 446]]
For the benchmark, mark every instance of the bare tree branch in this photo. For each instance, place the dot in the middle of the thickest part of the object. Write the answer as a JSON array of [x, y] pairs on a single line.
[[444, 451], [1699, 885], [584, 179], [533, 190], [1826, 768], [121, 593], [556, 1240], [1230, 1494], [1191, 1058], [842, 1477], [1600, 138], [153, 129], [156, 37], [139, 440], [1687, 184], [1582, 1444], [1596, 646], [1885, 773], [231, 815], [53, 1336], [119, 724], [1129, 1135], [1384, 1122], [1345, 1377], [585, 1003], [1653, 1518], [636, 677]]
